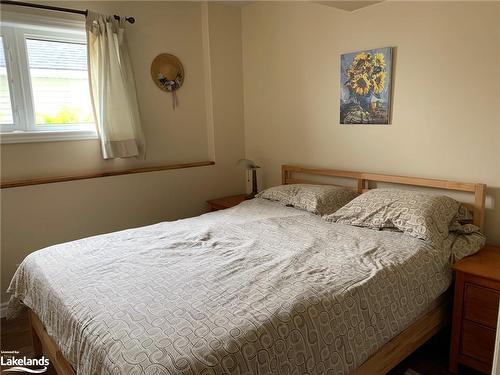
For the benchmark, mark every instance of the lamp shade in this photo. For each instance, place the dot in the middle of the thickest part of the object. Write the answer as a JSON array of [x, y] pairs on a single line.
[[247, 164]]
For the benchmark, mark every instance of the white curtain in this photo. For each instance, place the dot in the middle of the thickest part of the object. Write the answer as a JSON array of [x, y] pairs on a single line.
[[112, 88]]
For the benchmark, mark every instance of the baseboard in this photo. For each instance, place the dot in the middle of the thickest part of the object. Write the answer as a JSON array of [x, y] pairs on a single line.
[[3, 309]]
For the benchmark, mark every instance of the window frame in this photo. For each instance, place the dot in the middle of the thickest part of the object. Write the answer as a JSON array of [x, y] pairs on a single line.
[[12, 75], [16, 29]]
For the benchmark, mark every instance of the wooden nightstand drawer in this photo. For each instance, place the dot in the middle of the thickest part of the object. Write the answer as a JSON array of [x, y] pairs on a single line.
[[478, 341], [481, 305], [475, 310]]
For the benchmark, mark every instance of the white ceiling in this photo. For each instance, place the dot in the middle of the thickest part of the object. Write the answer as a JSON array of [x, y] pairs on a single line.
[[344, 5], [348, 5]]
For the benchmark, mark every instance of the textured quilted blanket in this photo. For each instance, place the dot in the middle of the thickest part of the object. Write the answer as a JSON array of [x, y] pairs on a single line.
[[255, 289]]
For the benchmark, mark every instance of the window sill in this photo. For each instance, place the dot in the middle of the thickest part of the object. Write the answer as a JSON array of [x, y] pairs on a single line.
[[47, 136]]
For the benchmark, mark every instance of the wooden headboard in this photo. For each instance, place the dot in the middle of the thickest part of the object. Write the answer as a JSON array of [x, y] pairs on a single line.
[[362, 184]]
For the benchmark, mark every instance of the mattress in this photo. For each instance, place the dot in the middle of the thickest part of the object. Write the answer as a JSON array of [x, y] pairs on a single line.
[[256, 289]]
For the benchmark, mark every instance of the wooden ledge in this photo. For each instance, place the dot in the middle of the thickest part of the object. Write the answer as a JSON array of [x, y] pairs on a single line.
[[50, 180]]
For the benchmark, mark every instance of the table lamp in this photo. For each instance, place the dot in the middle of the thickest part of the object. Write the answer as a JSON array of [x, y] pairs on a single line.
[[250, 165]]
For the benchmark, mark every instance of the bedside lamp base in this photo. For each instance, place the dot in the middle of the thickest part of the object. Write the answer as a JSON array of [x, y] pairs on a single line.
[[254, 184]]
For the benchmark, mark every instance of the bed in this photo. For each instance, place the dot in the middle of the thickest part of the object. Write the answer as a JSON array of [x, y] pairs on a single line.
[[256, 289]]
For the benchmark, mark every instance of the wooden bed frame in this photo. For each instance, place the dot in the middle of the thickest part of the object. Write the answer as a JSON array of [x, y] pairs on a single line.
[[394, 351], [363, 180]]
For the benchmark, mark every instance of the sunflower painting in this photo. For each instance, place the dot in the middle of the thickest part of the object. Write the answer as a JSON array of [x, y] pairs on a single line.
[[365, 86]]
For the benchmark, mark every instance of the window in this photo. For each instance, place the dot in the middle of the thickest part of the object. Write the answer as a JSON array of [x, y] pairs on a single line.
[[5, 103], [44, 89]]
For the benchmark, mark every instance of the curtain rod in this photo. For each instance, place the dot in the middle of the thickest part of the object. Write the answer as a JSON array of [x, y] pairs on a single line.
[[59, 9]]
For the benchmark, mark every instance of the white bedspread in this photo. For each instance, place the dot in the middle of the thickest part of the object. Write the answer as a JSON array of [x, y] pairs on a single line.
[[256, 289]]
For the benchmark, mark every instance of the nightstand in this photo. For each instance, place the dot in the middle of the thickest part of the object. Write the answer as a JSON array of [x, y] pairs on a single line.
[[226, 202], [475, 310]]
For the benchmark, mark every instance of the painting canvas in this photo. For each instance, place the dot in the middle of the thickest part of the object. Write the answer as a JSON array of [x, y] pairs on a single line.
[[365, 87]]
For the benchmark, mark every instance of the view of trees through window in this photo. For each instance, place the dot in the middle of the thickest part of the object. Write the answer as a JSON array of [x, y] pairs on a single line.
[[58, 72]]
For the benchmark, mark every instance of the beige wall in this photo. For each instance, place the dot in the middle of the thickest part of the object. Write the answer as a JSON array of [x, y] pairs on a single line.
[[38, 216], [446, 108], [171, 136]]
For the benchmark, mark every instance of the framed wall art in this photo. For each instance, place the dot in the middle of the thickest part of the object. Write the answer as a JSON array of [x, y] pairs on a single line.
[[365, 86]]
